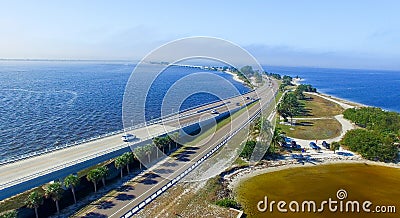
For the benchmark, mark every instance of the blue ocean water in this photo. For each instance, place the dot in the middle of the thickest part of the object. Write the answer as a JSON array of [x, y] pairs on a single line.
[[376, 88], [44, 104]]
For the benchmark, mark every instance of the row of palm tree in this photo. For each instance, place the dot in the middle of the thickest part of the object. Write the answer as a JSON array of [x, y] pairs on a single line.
[[162, 142], [55, 190], [97, 174], [124, 160], [158, 142]]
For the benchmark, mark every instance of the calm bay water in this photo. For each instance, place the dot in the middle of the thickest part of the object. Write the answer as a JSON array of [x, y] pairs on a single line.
[[370, 87], [44, 104], [362, 182]]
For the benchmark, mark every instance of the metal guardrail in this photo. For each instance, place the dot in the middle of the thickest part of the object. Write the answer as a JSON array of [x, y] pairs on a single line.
[[165, 118], [62, 166], [149, 199]]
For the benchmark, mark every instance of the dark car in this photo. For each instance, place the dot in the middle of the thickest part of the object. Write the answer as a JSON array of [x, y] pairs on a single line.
[[314, 146], [326, 145], [347, 154], [294, 145]]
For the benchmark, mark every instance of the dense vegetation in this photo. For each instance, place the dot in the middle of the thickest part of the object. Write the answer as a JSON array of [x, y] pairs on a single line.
[[249, 72], [375, 119], [286, 81], [300, 89], [289, 106], [274, 75], [248, 149], [370, 144], [377, 141]]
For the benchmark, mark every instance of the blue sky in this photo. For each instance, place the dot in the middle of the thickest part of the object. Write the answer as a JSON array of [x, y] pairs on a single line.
[[346, 34]]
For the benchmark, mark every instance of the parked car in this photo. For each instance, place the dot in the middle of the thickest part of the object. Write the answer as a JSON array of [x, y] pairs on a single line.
[[326, 145], [314, 146], [294, 145], [344, 153], [128, 137]]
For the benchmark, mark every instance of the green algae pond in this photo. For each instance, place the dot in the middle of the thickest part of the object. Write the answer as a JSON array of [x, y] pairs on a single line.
[[369, 188]]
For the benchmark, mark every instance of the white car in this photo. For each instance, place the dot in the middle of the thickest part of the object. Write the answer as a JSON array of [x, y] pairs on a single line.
[[128, 137], [214, 112]]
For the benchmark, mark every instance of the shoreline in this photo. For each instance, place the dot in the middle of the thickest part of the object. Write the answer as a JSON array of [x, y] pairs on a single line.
[[298, 81], [235, 178], [234, 76]]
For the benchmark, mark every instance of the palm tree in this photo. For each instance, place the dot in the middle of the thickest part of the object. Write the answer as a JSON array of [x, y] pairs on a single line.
[[54, 191], [168, 141], [138, 152], [72, 181], [158, 142], [277, 138], [119, 162], [94, 176], [34, 200], [335, 146], [175, 138], [103, 172], [128, 156], [147, 150]]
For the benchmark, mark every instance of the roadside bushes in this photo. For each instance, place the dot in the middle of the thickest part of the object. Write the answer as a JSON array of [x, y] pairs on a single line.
[[248, 149]]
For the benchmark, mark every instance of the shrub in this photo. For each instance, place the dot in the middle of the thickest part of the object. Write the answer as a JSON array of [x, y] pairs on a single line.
[[227, 202], [9, 214]]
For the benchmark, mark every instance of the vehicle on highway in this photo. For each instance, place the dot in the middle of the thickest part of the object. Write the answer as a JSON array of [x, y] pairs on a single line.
[[326, 145], [214, 112], [314, 146], [128, 137]]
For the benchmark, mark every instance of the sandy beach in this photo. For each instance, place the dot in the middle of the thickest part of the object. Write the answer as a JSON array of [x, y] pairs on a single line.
[[235, 77]]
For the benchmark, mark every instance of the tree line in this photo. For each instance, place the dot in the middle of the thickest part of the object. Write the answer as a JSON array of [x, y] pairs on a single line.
[[375, 119], [378, 136], [55, 190]]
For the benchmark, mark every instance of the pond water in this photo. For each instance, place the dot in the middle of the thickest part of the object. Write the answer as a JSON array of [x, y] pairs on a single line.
[[361, 182]]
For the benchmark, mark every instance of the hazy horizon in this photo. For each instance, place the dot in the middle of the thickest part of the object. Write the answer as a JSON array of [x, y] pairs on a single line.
[[340, 34]]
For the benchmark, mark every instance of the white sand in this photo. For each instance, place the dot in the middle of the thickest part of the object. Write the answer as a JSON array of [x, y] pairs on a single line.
[[235, 77]]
